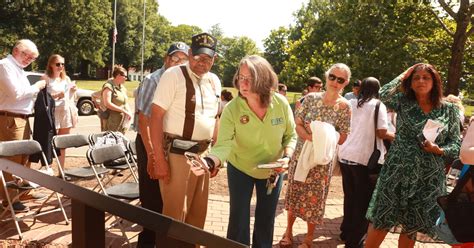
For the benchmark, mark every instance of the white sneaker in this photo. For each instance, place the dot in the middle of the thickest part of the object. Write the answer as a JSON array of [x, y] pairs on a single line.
[[47, 170]]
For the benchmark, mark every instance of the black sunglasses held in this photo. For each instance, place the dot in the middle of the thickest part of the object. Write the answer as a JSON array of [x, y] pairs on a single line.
[[339, 80]]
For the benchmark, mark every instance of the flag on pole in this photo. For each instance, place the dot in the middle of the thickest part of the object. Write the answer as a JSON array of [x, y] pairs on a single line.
[[114, 37]]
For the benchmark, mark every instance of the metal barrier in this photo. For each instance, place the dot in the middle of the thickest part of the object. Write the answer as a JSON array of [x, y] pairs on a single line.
[[89, 207]]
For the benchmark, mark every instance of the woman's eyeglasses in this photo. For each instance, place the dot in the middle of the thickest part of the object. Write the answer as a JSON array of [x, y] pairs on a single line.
[[339, 80], [59, 64], [242, 78]]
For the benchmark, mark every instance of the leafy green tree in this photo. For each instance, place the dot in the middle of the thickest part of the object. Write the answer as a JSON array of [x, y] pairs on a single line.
[[459, 36], [275, 48], [379, 40], [74, 29], [232, 50]]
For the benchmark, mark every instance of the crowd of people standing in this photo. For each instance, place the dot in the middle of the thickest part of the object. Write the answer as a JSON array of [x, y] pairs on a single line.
[[179, 108]]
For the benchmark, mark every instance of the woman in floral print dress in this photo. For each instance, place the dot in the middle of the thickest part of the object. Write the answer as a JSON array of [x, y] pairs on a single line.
[[307, 200], [413, 173]]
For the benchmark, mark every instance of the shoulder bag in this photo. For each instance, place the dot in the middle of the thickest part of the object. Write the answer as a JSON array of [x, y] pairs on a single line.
[[373, 163]]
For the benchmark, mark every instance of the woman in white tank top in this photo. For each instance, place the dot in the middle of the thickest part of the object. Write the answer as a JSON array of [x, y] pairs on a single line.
[[62, 90]]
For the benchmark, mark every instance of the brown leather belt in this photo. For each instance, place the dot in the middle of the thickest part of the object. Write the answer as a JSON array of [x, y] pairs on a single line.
[[10, 114]]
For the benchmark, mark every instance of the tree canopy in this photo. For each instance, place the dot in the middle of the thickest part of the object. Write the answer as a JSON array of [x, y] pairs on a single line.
[[374, 39], [378, 39]]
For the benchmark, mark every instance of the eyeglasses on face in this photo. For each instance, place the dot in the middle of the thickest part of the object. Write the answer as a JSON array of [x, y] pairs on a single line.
[[204, 59], [242, 78], [28, 56], [177, 59], [339, 80], [59, 64]]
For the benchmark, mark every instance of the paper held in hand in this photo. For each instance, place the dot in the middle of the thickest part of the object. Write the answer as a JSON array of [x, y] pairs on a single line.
[[273, 165], [432, 129]]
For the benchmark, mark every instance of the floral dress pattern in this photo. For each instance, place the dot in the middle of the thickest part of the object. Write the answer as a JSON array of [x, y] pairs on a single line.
[[411, 179], [307, 200]]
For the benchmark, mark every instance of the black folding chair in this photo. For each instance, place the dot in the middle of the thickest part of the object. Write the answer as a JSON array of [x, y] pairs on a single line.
[[120, 164], [25, 147], [74, 141], [127, 191]]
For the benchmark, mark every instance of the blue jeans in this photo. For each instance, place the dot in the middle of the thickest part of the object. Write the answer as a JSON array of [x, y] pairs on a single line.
[[240, 190]]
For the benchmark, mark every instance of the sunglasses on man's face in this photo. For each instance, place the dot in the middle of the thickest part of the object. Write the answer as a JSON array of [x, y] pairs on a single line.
[[59, 64], [339, 80]]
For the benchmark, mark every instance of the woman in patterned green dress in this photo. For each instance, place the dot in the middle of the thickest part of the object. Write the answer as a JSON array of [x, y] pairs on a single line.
[[307, 200], [413, 173]]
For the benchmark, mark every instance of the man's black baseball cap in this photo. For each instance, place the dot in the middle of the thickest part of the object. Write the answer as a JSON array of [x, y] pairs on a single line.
[[204, 43]]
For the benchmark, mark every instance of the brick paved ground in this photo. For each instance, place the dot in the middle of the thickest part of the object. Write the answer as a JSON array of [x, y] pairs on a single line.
[[50, 230]]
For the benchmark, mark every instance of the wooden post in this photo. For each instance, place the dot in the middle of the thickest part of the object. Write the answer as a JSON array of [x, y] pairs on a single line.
[[88, 226]]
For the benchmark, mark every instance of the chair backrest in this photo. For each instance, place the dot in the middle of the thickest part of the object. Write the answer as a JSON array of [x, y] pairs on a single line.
[[107, 138], [132, 147], [19, 147], [70, 140], [93, 137], [107, 153]]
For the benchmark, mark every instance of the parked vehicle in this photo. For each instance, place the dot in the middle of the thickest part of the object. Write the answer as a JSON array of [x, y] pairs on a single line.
[[83, 97]]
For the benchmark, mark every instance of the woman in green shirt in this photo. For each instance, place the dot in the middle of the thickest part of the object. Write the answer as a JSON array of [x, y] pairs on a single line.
[[115, 99], [256, 128]]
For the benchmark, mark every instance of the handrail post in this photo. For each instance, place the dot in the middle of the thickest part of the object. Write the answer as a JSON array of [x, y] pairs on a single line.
[[88, 227]]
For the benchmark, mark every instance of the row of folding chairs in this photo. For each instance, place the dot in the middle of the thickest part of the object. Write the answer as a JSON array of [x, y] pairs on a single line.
[[101, 161]]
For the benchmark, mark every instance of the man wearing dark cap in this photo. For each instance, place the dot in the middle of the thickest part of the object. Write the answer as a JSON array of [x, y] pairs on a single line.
[[149, 186], [183, 117], [355, 91]]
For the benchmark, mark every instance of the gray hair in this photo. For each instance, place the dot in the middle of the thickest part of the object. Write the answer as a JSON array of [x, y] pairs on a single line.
[[341, 66], [26, 45], [264, 77]]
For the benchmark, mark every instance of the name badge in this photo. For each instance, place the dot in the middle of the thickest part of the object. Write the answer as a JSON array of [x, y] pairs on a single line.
[[277, 121]]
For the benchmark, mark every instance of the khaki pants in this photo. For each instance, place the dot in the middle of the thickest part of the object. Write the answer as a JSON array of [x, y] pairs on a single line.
[[185, 196], [13, 128]]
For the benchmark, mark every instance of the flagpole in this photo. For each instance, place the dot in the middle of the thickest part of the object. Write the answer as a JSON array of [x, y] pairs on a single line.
[[114, 38], [143, 36]]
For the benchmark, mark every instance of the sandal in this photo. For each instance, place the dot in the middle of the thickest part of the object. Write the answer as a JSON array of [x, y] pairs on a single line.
[[286, 241]]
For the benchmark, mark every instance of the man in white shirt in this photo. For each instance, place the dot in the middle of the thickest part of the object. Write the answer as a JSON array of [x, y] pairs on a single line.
[[183, 118], [16, 102], [150, 196]]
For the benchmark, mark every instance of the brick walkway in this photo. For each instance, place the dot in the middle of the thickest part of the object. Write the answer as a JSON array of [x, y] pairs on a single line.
[[50, 230]]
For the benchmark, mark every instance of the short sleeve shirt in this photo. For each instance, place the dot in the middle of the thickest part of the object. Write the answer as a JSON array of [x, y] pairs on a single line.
[[170, 95]]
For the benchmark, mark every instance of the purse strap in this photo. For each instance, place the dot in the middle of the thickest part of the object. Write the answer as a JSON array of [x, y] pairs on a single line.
[[376, 117]]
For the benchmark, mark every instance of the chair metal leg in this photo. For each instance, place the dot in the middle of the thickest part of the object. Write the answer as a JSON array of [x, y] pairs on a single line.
[[10, 206]]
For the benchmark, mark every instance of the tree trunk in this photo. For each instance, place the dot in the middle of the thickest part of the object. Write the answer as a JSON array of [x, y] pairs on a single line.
[[457, 49]]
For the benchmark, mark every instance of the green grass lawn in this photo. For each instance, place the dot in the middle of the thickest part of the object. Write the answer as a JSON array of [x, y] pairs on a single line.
[[96, 85], [292, 97], [469, 110]]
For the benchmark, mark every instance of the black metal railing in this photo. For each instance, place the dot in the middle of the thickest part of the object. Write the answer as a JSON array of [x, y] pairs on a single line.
[[89, 207]]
